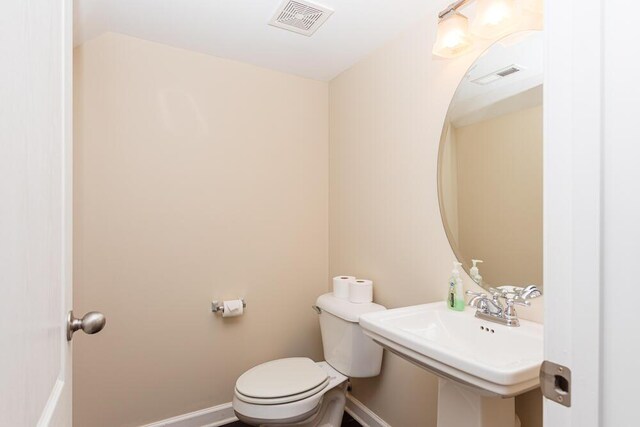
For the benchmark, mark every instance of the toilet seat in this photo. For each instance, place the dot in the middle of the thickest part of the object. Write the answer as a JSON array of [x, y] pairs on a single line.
[[283, 399], [281, 381], [292, 408]]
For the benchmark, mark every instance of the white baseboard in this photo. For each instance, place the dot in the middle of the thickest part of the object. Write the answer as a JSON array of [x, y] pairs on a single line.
[[215, 416], [365, 416], [221, 415]]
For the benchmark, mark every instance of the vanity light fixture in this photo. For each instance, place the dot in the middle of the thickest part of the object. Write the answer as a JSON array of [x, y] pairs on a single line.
[[493, 19], [453, 37]]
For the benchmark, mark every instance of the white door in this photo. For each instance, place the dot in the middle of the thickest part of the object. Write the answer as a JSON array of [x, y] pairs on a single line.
[[592, 209], [572, 206], [35, 212]]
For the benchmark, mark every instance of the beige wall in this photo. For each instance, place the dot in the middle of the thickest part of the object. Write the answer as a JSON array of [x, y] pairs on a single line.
[[386, 116], [195, 178], [499, 177]]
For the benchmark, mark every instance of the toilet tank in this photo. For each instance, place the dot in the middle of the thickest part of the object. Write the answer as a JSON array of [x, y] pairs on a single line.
[[345, 345]]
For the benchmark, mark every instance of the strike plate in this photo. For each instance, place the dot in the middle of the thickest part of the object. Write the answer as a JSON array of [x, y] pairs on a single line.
[[555, 382]]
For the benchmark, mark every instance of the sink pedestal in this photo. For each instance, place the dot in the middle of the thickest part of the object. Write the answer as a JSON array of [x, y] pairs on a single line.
[[470, 357], [459, 406]]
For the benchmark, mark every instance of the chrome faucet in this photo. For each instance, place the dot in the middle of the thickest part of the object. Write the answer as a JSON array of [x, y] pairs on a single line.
[[490, 307]]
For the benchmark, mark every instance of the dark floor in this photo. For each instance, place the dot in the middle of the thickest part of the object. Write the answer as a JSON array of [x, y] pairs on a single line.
[[347, 421]]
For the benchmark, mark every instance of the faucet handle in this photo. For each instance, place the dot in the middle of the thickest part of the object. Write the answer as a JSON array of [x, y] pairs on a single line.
[[476, 294], [515, 292], [499, 292], [476, 299], [518, 300], [510, 311]]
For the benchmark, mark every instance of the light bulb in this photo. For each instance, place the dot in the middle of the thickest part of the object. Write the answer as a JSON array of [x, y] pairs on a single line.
[[494, 18], [453, 36]]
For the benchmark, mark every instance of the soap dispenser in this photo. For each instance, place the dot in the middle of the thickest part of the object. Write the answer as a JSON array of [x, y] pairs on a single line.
[[455, 299], [475, 273]]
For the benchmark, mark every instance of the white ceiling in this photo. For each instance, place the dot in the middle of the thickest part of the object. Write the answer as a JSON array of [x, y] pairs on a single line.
[[238, 29]]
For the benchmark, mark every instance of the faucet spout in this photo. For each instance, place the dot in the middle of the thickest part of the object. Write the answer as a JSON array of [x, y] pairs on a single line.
[[494, 307]]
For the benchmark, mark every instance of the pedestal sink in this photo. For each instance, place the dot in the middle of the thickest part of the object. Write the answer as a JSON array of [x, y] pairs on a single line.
[[481, 365]]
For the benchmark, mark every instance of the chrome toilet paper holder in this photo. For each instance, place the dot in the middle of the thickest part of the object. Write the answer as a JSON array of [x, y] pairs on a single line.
[[218, 306]]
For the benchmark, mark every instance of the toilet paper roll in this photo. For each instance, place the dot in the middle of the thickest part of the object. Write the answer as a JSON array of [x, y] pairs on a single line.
[[360, 291], [232, 308], [341, 286]]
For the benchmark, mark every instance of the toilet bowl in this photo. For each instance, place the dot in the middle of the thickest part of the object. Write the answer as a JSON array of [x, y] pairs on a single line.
[[300, 392], [303, 393]]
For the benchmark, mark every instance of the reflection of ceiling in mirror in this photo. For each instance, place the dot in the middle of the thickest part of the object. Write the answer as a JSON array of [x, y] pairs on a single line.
[[521, 101], [474, 102]]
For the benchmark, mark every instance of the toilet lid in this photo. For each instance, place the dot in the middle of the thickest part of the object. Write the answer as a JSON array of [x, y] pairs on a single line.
[[281, 378]]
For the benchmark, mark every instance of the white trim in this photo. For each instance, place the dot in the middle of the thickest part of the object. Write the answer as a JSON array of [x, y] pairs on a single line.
[[58, 410], [365, 416], [221, 415], [209, 417], [52, 404], [63, 414]]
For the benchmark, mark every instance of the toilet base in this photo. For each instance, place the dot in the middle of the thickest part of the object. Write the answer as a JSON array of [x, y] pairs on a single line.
[[329, 413]]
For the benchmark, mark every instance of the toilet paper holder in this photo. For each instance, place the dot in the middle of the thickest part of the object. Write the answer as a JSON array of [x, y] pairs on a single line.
[[218, 306]]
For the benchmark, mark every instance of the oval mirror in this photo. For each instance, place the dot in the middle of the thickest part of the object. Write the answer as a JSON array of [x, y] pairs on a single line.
[[490, 164]]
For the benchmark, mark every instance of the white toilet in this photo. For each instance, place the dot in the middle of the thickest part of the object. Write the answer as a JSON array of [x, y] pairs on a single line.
[[298, 391]]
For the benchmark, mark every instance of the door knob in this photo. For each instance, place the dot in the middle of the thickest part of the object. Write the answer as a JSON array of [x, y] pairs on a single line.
[[91, 323]]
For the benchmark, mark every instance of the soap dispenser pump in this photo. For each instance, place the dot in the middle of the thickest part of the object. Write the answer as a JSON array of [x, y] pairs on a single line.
[[455, 300], [475, 273]]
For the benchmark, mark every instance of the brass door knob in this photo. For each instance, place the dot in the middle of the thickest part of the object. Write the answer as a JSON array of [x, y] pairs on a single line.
[[91, 323]]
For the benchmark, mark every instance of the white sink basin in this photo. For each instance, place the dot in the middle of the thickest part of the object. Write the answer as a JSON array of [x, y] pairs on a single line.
[[491, 358]]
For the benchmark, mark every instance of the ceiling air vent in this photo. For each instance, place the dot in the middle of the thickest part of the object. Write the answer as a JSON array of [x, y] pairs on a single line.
[[499, 74], [300, 16]]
